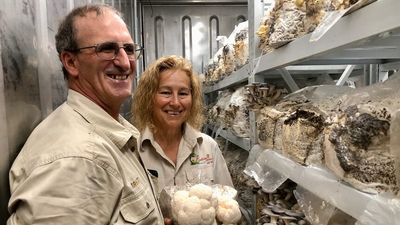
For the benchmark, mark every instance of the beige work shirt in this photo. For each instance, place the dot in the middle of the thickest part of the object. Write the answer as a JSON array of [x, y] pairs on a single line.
[[80, 166], [199, 160]]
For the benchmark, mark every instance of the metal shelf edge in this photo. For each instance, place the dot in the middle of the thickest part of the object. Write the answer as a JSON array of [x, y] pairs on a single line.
[[324, 184], [243, 143], [372, 20]]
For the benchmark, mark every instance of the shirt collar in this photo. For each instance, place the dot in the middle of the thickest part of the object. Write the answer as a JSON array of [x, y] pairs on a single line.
[[190, 136], [119, 132]]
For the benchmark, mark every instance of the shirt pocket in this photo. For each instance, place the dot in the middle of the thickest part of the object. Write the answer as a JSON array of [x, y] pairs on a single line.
[[137, 205], [200, 173], [154, 179]]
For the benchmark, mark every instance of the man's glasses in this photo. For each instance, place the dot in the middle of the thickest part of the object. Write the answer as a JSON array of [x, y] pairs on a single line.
[[109, 50]]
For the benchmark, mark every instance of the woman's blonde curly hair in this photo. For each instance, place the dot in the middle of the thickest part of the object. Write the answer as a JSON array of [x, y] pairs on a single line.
[[143, 98]]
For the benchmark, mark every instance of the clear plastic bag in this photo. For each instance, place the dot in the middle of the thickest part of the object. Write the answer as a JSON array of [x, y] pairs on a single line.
[[329, 19], [384, 209], [332, 17], [316, 210], [200, 204], [257, 168]]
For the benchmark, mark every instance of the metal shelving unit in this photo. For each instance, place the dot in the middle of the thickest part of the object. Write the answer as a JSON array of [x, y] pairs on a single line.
[[242, 75], [367, 36], [370, 35]]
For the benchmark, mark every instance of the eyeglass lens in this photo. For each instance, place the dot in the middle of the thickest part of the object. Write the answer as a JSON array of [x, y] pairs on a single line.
[[109, 50]]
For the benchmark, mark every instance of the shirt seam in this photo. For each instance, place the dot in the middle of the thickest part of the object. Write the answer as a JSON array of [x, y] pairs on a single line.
[[90, 157]]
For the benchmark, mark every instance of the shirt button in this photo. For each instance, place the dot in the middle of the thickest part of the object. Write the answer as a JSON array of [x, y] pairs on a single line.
[[148, 205], [135, 182]]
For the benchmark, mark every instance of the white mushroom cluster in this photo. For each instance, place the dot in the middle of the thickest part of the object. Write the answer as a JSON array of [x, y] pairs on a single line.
[[202, 204]]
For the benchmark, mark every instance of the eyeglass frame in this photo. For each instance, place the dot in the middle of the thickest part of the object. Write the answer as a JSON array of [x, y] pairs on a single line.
[[96, 46]]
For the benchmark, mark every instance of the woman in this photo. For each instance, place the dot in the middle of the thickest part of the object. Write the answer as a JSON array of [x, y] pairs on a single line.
[[167, 109]]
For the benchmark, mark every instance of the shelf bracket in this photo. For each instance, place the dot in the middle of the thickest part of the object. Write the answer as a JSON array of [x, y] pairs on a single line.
[[288, 79], [373, 74], [345, 75]]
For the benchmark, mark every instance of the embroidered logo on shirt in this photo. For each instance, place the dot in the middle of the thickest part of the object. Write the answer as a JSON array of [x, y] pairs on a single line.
[[195, 159]]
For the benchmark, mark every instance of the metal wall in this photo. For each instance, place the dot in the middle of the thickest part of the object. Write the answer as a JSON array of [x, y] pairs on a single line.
[[31, 80], [189, 29]]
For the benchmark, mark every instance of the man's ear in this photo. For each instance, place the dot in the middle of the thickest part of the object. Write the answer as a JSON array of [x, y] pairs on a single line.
[[70, 62]]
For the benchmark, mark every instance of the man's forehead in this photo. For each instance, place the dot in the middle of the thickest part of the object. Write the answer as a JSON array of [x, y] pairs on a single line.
[[94, 21]]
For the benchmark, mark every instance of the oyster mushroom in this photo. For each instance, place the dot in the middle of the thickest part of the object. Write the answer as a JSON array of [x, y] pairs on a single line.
[[274, 217], [287, 219], [294, 213], [277, 209], [302, 222]]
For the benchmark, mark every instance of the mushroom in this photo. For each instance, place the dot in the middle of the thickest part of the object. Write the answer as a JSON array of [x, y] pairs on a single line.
[[288, 195], [270, 198], [250, 88], [282, 203], [274, 217], [263, 91], [264, 211], [287, 219], [263, 219], [294, 213], [277, 95], [277, 209], [302, 222]]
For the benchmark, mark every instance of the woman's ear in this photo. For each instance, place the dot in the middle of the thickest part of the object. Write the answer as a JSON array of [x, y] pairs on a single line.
[[70, 62]]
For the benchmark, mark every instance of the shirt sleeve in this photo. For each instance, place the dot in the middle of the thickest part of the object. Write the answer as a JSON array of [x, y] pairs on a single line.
[[73, 190]]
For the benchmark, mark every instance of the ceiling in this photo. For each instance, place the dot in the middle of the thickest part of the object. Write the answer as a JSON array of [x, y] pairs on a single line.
[[194, 2]]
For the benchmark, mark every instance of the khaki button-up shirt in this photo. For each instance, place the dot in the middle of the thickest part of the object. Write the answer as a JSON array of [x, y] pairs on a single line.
[[199, 160], [81, 166]]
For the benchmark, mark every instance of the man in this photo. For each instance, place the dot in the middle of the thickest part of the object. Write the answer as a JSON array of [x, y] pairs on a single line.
[[80, 165]]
